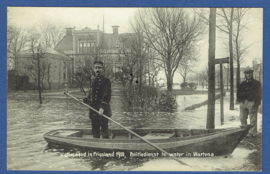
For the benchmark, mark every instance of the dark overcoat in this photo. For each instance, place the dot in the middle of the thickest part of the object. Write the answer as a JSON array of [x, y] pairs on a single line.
[[100, 96], [250, 90]]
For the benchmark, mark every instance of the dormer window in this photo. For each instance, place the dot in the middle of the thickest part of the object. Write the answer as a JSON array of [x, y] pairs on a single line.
[[85, 46]]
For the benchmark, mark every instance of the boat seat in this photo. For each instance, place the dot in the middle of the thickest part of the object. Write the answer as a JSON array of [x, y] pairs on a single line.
[[68, 133]]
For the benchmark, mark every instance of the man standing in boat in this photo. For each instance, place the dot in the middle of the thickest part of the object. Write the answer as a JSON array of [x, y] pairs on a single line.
[[99, 98], [249, 96]]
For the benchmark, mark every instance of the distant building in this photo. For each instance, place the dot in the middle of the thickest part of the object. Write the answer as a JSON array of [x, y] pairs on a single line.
[[257, 74], [94, 44], [56, 69], [258, 69]]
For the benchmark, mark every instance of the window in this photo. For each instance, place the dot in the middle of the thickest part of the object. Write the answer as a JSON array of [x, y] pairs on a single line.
[[64, 69], [85, 47]]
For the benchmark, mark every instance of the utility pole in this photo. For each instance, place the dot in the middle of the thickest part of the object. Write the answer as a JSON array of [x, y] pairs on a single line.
[[210, 124], [231, 63]]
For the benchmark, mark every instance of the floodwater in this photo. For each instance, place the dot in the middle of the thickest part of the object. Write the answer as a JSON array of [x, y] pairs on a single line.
[[27, 122]]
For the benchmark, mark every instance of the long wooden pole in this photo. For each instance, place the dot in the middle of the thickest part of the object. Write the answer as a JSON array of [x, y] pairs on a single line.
[[145, 140]]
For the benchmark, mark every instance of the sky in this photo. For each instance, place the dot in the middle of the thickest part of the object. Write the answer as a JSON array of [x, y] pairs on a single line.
[[82, 17], [69, 17]]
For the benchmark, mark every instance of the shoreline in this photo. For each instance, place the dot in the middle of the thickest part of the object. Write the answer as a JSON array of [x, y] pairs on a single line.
[[254, 159]]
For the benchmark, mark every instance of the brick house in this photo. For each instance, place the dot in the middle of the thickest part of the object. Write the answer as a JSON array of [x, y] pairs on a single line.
[[56, 69]]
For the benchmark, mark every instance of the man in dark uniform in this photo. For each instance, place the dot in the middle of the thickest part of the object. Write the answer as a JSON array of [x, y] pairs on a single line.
[[249, 96], [99, 98]]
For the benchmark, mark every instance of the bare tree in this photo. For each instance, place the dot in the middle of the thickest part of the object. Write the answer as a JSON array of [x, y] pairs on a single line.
[[94, 50], [129, 56], [16, 40], [240, 48], [225, 17], [183, 70], [51, 33], [204, 76], [32, 70], [186, 65], [85, 74], [171, 32], [38, 52], [153, 68]]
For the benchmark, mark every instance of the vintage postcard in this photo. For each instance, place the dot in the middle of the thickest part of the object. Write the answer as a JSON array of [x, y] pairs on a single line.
[[134, 89]]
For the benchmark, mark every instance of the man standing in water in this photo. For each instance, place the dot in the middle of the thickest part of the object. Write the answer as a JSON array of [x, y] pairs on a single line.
[[249, 95], [99, 98]]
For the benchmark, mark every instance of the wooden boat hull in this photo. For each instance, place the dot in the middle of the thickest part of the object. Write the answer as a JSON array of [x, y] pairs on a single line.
[[182, 142]]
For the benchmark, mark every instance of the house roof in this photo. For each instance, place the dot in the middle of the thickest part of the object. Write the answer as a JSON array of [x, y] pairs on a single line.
[[49, 51], [129, 35], [111, 39], [65, 44], [86, 30]]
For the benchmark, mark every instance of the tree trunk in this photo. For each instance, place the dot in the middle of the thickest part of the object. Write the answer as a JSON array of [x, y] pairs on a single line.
[[141, 65], [169, 76], [210, 124], [39, 88], [169, 82], [238, 81], [237, 60], [50, 86], [231, 62]]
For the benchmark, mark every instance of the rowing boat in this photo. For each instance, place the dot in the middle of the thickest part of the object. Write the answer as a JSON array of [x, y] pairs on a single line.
[[184, 142]]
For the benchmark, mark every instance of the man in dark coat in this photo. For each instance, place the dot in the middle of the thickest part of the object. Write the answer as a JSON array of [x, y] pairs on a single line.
[[99, 98], [249, 96]]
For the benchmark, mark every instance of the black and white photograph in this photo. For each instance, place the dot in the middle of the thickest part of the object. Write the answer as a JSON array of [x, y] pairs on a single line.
[[134, 88]]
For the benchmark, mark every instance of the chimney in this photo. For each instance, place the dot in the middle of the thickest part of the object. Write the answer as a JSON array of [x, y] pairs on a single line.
[[69, 31], [115, 29]]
